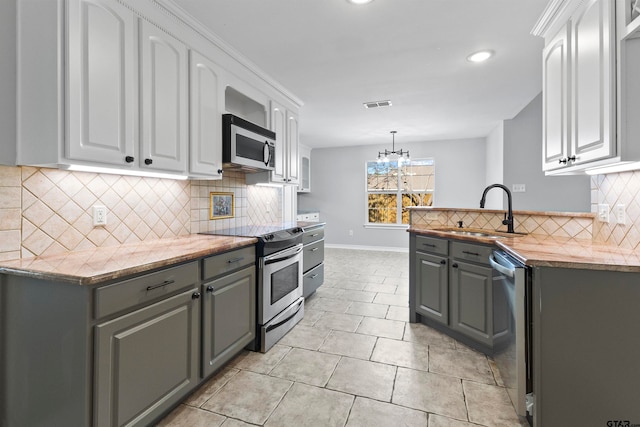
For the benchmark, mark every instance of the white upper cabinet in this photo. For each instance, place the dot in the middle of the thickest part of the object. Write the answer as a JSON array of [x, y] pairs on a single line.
[[593, 82], [555, 136], [102, 101], [205, 117], [164, 80], [285, 124]]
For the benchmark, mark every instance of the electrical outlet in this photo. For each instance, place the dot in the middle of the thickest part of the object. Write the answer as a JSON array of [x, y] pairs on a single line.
[[99, 215], [621, 215], [350, 232], [518, 188], [603, 212]]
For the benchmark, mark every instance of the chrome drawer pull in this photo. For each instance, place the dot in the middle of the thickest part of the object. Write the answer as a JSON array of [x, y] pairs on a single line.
[[313, 276], [163, 284], [314, 235], [231, 261], [314, 249]]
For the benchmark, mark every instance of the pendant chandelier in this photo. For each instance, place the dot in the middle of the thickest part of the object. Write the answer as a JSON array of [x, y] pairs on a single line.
[[399, 155]]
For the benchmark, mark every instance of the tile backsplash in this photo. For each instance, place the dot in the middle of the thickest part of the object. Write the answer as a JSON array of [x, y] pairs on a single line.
[[48, 211], [617, 189]]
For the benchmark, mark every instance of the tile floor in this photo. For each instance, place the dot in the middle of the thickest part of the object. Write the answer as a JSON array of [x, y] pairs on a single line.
[[354, 360]]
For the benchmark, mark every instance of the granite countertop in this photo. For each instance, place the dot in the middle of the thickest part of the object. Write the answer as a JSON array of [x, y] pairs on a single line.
[[98, 265], [549, 251]]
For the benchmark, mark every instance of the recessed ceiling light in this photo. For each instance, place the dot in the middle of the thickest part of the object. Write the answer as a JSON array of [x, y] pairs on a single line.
[[480, 56], [359, 1]]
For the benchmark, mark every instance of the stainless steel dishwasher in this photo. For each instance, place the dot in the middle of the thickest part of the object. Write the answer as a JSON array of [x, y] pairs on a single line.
[[514, 362]]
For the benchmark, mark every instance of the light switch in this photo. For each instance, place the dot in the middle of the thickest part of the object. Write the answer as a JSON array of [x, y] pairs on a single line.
[[603, 212]]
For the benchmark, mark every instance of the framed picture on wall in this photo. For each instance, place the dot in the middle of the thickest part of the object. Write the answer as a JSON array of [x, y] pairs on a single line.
[[221, 205]]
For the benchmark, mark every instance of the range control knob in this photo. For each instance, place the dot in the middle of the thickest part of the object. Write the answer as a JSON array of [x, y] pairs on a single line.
[[269, 237]]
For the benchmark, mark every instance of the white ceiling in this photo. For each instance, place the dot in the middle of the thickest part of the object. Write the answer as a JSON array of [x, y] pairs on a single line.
[[334, 56]]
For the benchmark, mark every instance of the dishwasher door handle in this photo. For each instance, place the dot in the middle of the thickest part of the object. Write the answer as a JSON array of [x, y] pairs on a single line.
[[509, 272]]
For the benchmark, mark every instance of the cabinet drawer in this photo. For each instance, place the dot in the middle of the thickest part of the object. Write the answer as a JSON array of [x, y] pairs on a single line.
[[140, 290], [474, 253], [312, 235], [433, 245], [223, 263], [312, 280], [313, 254]]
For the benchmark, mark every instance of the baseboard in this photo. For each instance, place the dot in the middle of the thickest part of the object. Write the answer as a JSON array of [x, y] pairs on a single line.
[[367, 248]]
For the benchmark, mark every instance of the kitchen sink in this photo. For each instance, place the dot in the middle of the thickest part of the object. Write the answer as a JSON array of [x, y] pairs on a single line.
[[480, 233]]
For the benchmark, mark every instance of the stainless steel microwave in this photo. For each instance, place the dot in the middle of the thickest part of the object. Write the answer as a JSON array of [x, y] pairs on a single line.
[[246, 145]]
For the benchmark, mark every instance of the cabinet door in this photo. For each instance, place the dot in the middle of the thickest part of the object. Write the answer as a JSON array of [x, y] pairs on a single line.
[[593, 82], [229, 317], [205, 121], [164, 80], [102, 82], [471, 301], [279, 126], [555, 127], [293, 173], [146, 361], [432, 287]]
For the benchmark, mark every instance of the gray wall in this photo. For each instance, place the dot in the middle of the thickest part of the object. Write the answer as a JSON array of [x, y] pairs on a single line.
[[523, 165], [7, 82], [338, 187]]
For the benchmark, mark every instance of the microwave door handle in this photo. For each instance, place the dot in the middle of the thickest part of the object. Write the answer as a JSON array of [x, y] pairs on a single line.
[[266, 153]]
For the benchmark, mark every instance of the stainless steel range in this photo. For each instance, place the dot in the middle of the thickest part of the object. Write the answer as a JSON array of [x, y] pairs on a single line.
[[280, 304]]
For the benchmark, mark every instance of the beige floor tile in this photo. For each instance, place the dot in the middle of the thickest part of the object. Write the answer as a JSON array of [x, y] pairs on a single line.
[[402, 290], [460, 364], [369, 413], [398, 281], [440, 421], [188, 416], [368, 309], [303, 336], [311, 316], [306, 366], [393, 329], [261, 363], [329, 292], [211, 387], [338, 321], [349, 344], [353, 295], [399, 300], [363, 378], [346, 283], [381, 287], [249, 397], [398, 313], [489, 405], [423, 334], [230, 422], [401, 353], [430, 393], [367, 278], [310, 406], [328, 304]]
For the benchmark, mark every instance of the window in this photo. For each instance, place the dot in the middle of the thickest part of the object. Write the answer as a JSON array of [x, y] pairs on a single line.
[[391, 188]]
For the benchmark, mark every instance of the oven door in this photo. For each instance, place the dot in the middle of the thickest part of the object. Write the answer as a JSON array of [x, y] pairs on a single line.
[[281, 283]]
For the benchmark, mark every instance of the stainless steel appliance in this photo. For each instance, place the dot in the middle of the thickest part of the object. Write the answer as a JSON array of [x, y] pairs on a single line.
[[246, 145], [515, 362], [280, 303]]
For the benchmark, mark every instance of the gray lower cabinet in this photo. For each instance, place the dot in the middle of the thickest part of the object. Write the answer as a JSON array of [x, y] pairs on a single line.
[[432, 287], [451, 288], [146, 361], [228, 317], [312, 258]]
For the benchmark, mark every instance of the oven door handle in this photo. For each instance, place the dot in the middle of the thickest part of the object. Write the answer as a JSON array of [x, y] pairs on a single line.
[[282, 322], [286, 256], [501, 268]]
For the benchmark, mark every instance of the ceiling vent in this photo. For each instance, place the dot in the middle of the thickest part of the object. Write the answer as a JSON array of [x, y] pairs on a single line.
[[375, 104]]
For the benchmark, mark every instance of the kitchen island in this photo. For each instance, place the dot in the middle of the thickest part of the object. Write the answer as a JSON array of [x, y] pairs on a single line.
[[584, 316], [119, 335]]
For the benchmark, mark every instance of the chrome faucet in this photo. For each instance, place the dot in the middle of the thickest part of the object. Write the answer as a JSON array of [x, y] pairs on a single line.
[[508, 220]]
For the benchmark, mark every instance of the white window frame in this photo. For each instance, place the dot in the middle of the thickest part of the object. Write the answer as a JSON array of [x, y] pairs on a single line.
[[399, 192]]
